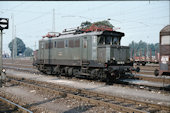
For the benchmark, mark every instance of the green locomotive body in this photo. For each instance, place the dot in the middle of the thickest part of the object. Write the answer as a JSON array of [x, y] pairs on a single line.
[[96, 55]]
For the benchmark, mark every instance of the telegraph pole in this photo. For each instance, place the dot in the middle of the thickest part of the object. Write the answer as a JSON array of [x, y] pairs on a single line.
[[15, 44], [53, 24], [12, 37], [147, 49], [35, 46]]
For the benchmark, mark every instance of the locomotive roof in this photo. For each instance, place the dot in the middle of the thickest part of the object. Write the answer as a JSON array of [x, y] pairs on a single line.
[[165, 30], [87, 34]]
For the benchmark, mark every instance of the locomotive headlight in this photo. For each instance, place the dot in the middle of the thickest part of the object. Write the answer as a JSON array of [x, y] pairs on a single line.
[[121, 62], [3, 70], [113, 58]]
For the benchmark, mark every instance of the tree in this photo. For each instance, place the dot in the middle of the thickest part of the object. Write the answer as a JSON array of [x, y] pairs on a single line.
[[20, 46], [28, 52], [103, 23], [143, 46], [85, 24]]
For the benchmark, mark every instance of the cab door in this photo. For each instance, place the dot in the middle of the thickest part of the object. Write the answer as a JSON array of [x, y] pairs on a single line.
[[85, 49], [42, 51]]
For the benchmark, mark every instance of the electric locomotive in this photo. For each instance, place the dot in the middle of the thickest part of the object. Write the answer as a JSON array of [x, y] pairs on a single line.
[[95, 54]]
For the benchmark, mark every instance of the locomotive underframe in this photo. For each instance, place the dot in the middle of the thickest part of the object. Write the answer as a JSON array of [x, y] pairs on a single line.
[[89, 69]]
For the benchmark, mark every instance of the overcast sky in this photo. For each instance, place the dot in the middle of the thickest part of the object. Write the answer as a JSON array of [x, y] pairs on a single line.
[[139, 20]]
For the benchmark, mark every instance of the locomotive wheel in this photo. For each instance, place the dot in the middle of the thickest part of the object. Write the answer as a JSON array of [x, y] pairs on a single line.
[[56, 70], [137, 69], [66, 71], [109, 79], [118, 75], [94, 73], [138, 63], [75, 72], [156, 72], [70, 72], [143, 64], [49, 70]]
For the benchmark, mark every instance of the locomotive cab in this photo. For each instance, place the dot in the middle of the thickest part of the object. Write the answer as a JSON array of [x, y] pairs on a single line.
[[110, 52]]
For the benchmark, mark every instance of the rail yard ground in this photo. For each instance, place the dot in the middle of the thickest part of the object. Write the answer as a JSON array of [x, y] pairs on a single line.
[[7, 106], [43, 100]]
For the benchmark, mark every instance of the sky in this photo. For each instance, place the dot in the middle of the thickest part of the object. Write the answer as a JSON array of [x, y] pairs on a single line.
[[139, 20]]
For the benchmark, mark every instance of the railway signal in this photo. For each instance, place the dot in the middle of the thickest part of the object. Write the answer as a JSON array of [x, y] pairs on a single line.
[[3, 25]]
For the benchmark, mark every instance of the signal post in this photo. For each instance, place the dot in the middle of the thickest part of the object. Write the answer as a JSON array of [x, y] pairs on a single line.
[[3, 25]]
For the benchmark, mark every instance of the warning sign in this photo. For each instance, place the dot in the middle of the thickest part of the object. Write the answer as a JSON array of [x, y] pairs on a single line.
[[164, 59]]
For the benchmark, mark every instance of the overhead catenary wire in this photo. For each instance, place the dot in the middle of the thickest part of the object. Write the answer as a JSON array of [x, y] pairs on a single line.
[[12, 8], [99, 7], [126, 14], [18, 5], [35, 18], [75, 16]]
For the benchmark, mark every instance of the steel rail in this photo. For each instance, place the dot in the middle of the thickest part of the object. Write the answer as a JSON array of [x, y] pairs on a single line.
[[14, 105], [117, 103], [152, 79]]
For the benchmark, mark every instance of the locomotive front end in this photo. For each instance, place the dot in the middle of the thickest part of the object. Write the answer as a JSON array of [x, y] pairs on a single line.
[[119, 61], [115, 57]]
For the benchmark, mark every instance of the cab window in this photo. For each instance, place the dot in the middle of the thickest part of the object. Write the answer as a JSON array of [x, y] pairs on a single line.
[[101, 40], [115, 41], [108, 40]]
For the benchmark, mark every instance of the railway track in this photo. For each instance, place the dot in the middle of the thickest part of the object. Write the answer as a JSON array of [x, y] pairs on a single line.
[[117, 103], [122, 82], [148, 69], [6, 106], [153, 79]]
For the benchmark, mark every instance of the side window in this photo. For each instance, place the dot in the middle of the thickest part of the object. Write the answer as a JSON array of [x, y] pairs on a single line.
[[42, 45], [71, 43], [55, 44], [77, 43], [66, 43], [60, 44], [85, 42], [46, 45]]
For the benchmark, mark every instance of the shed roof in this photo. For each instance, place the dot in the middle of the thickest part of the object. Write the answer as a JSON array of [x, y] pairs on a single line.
[[165, 30]]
